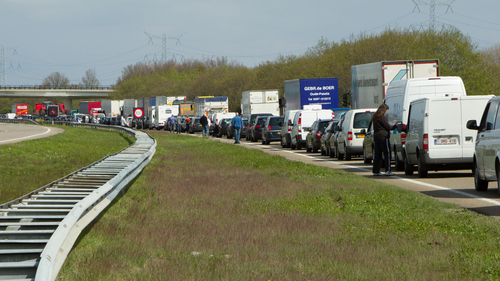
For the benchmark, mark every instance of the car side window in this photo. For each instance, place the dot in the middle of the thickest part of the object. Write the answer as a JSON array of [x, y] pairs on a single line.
[[489, 121]]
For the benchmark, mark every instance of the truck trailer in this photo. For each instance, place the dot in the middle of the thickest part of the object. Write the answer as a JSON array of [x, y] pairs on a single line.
[[112, 108], [210, 105], [260, 101], [369, 82], [304, 92], [19, 109]]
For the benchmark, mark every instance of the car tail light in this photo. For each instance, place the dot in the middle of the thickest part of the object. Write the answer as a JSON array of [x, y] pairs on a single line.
[[403, 138], [269, 128], [425, 142], [289, 129], [257, 126], [318, 135], [349, 136]]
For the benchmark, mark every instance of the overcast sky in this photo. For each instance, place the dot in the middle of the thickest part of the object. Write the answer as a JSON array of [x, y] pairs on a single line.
[[39, 37]]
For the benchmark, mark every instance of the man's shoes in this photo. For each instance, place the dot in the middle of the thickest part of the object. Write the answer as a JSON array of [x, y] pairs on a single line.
[[389, 174], [377, 174]]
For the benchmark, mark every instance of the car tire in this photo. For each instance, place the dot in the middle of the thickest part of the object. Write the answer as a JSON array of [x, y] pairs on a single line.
[[308, 149], [340, 156], [398, 163], [408, 168], [293, 146], [283, 145], [298, 146], [422, 171], [332, 153], [347, 154], [314, 149], [479, 184], [323, 153], [366, 160]]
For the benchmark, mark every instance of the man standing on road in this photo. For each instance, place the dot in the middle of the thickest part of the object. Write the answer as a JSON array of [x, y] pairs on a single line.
[[179, 124], [171, 122], [188, 122], [237, 124], [204, 126]]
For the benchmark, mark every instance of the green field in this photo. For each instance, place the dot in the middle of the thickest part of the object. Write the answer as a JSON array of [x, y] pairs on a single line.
[[29, 165], [204, 210]]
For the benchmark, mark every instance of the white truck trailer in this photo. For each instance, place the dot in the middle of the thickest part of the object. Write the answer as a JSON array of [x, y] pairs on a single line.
[[260, 101], [210, 105], [162, 113], [112, 108], [128, 107], [369, 82]]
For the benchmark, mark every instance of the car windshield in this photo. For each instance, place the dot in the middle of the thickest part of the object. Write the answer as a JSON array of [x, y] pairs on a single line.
[[276, 121], [261, 121], [362, 119], [322, 126]]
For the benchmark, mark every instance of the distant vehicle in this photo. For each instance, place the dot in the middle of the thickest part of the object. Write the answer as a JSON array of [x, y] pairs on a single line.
[[299, 93], [313, 138], [325, 138], [272, 129], [350, 138], [302, 123], [256, 129], [195, 125], [251, 121], [286, 129]]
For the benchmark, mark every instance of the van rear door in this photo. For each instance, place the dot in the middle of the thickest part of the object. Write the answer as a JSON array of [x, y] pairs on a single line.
[[444, 128]]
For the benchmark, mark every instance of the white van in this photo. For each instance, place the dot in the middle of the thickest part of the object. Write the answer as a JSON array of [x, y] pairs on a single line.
[[400, 93], [436, 133], [486, 162], [152, 117], [162, 113], [286, 129], [349, 137], [216, 117], [302, 124]]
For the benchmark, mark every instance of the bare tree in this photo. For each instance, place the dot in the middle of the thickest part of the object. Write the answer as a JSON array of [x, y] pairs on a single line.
[[56, 80], [90, 79]]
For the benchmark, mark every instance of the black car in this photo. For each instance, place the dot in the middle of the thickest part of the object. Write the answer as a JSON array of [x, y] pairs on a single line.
[[325, 138], [195, 125], [251, 122], [313, 138], [256, 128], [272, 129], [223, 127]]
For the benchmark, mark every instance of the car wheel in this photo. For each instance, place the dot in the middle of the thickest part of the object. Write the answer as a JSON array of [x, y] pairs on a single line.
[[323, 151], [366, 160], [292, 146], [283, 145], [299, 146], [332, 153], [308, 149], [347, 154], [422, 171], [314, 149], [408, 168], [479, 184], [340, 156], [398, 163]]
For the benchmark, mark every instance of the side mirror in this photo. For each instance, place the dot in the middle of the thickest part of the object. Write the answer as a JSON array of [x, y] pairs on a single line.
[[280, 124], [472, 125], [290, 123], [402, 128], [363, 131], [338, 129]]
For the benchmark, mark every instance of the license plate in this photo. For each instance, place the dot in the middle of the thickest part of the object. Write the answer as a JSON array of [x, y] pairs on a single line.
[[445, 141], [279, 133], [360, 135]]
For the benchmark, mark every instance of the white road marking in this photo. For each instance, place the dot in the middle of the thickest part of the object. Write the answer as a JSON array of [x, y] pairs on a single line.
[[46, 132]]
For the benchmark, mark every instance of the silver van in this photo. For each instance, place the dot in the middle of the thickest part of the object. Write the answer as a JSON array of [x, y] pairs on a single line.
[[486, 162]]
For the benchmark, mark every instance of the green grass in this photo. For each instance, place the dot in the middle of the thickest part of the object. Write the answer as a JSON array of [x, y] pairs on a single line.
[[204, 210], [29, 165]]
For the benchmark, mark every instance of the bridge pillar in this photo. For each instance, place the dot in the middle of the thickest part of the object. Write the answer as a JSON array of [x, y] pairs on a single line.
[[67, 104]]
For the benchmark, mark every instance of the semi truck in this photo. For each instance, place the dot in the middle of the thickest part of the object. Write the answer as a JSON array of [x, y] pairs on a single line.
[[128, 107], [369, 81], [260, 101], [19, 109], [210, 105], [86, 107], [112, 108], [304, 92], [41, 108]]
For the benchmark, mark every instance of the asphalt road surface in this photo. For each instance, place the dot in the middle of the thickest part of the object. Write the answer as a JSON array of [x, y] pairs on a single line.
[[456, 187], [13, 132]]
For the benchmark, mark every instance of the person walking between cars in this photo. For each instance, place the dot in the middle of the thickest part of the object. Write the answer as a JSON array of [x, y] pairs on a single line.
[[382, 128], [171, 122], [237, 124], [204, 126], [179, 124], [188, 122]]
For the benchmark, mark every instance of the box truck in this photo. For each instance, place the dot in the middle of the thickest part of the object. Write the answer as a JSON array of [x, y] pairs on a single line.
[[112, 108], [128, 107], [19, 109], [210, 105], [260, 101], [304, 92], [369, 81], [87, 106]]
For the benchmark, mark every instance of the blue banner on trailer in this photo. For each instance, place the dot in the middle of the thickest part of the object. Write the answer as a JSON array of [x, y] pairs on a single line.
[[324, 91]]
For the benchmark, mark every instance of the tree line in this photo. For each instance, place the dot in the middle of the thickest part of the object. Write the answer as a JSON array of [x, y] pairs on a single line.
[[457, 53]]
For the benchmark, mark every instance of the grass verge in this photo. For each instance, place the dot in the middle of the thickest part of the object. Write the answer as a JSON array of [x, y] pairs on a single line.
[[204, 210], [31, 164]]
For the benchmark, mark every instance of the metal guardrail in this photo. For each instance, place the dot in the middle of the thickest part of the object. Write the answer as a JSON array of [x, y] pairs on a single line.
[[38, 230]]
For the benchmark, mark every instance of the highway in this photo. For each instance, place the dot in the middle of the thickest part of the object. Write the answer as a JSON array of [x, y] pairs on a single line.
[[13, 132], [456, 187]]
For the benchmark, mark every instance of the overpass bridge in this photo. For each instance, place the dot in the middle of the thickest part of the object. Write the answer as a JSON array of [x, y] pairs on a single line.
[[67, 95]]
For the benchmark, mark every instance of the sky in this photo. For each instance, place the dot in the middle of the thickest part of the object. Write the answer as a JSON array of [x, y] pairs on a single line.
[[40, 37]]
